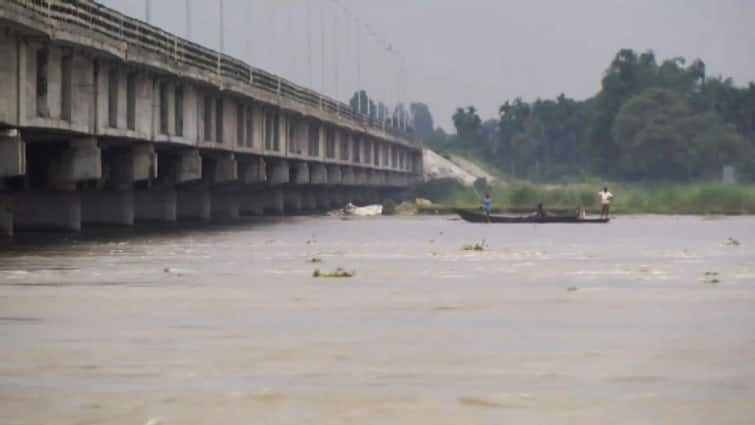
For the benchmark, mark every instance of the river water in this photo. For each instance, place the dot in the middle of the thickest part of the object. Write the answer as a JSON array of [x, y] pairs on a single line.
[[551, 324]]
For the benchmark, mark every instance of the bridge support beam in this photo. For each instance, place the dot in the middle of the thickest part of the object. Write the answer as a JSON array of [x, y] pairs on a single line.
[[278, 172], [347, 176], [252, 171], [301, 173], [138, 164], [226, 169], [108, 208], [318, 174], [179, 167], [47, 211], [193, 205], [158, 205], [80, 162], [335, 175]]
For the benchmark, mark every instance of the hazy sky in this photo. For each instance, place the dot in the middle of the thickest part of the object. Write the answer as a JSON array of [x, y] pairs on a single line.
[[464, 52]]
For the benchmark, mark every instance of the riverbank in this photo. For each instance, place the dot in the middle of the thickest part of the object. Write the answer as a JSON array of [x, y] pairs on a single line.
[[697, 198]]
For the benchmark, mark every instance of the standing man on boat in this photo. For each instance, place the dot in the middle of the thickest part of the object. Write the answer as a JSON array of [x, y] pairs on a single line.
[[487, 204], [605, 201]]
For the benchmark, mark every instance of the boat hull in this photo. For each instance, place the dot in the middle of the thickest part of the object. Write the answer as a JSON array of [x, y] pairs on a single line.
[[475, 217]]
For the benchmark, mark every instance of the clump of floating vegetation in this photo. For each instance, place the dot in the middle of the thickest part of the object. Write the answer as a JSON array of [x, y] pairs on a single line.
[[315, 260], [339, 273], [711, 278], [477, 246], [732, 242]]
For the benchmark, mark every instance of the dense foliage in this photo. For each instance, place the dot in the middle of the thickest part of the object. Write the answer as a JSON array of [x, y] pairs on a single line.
[[649, 122]]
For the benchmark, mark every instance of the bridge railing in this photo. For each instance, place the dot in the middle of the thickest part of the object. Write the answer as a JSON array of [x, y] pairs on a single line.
[[92, 16]]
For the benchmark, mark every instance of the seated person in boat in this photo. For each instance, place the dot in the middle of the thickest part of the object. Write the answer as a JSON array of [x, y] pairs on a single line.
[[487, 204], [539, 212], [581, 213]]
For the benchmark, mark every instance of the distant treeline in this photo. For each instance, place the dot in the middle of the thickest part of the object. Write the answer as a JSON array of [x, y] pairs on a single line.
[[649, 122]]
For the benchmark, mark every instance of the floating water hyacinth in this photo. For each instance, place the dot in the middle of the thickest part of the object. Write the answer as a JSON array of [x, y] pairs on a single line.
[[339, 273]]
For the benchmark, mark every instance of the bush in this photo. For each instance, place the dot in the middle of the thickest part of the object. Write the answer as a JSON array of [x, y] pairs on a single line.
[[482, 185], [389, 207], [524, 195]]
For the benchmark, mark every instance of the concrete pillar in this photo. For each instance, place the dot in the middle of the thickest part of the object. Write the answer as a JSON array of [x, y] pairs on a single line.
[[193, 205], [47, 211], [301, 173], [252, 171], [347, 176], [278, 172], [273, 201], [292, 200], [6, 216], [226, 169], [334, 174], [309, 199], [318, 174], [139, 163], [12, 154], [251, 203], [111, 207], [225, 205], [324, 199], [155, 206], [80, 162]]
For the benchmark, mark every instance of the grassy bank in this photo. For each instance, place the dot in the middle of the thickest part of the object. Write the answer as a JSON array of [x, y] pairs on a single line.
[[697, 198]]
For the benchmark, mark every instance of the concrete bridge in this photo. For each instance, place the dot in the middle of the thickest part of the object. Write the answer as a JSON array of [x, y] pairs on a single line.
[[105, 119]]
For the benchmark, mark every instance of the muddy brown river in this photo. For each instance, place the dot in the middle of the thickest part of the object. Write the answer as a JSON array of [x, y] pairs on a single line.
[[647, 320]]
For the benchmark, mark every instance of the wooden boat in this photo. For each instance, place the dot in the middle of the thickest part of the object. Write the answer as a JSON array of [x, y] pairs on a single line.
[[477, 217]]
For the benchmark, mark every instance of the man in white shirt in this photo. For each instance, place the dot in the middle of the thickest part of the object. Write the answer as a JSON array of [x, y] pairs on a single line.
[[605, 201]]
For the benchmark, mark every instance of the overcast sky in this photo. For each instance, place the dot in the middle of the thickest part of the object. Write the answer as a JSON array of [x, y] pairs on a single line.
[[463, 52]]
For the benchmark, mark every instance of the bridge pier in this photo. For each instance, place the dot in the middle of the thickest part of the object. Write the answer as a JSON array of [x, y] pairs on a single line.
[[158, 205], [47, 211], [273, 201], [309, 199], [292, 201], [6, 215], [323, 199], [193, 204], [251, 202], [225, 204], [12, 164], [108, 207]]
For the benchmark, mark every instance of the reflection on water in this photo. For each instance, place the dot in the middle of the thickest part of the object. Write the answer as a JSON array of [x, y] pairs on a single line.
[[588, 324]]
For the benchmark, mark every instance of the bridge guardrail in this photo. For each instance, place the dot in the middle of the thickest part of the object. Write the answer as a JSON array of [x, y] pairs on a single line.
[[107, 22]]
